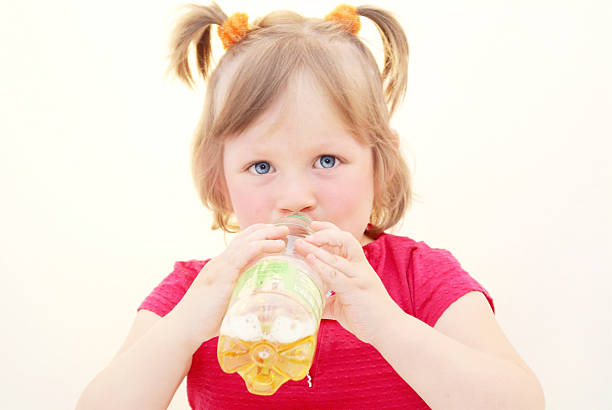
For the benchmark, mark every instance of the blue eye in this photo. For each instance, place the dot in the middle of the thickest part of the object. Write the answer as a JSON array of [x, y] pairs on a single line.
[[261, 167], [327, 161]]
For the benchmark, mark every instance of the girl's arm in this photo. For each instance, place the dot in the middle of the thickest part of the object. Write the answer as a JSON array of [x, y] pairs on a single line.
[[465, 362], [148, 369], [157, 354]]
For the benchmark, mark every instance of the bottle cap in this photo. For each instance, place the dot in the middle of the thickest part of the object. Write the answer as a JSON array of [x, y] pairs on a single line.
[[304, 217]]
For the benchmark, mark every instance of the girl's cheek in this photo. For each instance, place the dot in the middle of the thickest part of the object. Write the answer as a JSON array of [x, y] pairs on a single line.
[[334, 193], [251, 203]]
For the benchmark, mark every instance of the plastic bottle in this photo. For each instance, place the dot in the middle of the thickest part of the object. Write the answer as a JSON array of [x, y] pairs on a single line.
[[269, 333]]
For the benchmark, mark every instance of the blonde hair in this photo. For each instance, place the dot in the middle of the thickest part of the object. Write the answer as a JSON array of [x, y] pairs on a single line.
[[276, 48]]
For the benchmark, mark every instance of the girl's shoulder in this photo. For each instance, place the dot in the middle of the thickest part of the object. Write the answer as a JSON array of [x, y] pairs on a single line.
[[173, 287], [404, 248], [424, 280]]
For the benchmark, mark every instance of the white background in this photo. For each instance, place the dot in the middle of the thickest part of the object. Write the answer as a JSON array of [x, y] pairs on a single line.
[[505, 125]]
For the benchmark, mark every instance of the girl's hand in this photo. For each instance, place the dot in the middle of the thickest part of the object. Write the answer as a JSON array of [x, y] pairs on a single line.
[[361, 304], [202, 308]]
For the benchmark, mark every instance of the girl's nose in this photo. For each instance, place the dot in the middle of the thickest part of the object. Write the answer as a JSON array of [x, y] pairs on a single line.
[[296, 195]]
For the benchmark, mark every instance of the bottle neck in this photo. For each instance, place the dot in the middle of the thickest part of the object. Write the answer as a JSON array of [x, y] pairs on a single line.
[[289, 248], [299, 225]]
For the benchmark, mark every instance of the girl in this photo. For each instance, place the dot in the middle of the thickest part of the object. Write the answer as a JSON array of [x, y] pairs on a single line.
[[296, 119]]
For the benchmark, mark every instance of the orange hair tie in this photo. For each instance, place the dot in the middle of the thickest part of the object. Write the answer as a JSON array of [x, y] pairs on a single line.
[[233, 29], [347, 17]]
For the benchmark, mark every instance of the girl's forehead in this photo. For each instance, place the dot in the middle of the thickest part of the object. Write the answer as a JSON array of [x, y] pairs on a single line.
[[277, 136], [301, 109]]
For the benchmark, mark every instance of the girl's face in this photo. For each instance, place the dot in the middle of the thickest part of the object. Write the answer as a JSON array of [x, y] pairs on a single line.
[[298, 157]]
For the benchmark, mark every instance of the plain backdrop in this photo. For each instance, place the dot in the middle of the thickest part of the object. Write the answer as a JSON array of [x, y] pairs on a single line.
[[506, 126]]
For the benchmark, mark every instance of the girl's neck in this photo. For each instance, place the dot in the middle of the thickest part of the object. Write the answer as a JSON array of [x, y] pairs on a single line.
[[366, 240]]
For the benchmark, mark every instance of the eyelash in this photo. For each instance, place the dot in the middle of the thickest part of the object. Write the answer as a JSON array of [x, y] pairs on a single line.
[[252, 164]]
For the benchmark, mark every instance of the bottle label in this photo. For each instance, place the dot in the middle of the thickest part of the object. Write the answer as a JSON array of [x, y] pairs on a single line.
[[280, 276]]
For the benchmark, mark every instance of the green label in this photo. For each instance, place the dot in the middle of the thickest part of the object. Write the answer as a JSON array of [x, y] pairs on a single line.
[[275, 275]]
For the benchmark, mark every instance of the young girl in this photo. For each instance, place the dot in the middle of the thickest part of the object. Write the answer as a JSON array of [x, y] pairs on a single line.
[[296, 119]]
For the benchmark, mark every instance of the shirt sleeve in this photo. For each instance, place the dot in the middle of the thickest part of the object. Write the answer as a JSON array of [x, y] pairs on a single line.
[[438, 280], [172, 289]]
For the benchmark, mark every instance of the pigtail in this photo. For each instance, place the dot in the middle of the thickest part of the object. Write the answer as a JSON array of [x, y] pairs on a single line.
[[193, 26], [395, 70]]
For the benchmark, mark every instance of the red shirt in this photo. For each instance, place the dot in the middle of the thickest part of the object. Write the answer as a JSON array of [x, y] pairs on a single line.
[[346, 373]]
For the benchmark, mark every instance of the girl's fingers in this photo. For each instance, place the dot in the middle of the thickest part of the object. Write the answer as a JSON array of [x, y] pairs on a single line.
[[267, 231], [255, 249], [255, 240], [326, 237], [333, 261], [274, 232], [332, 277], [267, 245], [319, 225], [337, 242]]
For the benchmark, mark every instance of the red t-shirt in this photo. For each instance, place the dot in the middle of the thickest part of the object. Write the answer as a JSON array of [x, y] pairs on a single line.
[[346, 373]]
